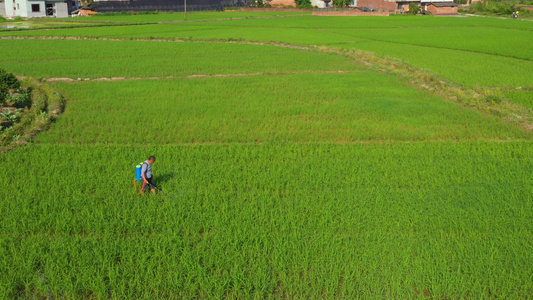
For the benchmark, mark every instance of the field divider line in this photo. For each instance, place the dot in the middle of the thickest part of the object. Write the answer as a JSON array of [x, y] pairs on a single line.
[[66, 79], [307, 143]]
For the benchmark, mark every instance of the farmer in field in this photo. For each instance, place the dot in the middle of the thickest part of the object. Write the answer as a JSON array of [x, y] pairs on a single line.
[[146, 174]]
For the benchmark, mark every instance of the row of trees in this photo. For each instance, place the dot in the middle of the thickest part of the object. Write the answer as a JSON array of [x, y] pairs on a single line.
[[499, 8]]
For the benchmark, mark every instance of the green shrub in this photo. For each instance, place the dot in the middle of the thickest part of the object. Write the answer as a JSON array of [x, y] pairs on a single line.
[[38, 99], [341, 3], [8, 115], [86, 3], [56, 103], [499, 8], [257, 3], [306, 5], [493, 99], [7, 81], [20, 99], [414, 8], [303, 4]]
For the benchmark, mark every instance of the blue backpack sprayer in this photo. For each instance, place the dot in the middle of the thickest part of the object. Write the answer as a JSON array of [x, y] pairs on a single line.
[[138, 177]]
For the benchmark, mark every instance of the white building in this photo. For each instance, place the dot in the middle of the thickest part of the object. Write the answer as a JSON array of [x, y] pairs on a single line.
[[37, 8], [2, 8], [321, 3]]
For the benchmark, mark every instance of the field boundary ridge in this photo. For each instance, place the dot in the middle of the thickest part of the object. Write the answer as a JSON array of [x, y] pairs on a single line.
[[66, 79], [485, 99]]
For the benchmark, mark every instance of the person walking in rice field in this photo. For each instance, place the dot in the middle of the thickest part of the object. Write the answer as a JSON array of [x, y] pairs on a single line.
[[147, 175]]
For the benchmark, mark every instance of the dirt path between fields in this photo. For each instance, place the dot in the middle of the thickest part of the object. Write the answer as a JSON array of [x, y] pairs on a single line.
[[64, 79]]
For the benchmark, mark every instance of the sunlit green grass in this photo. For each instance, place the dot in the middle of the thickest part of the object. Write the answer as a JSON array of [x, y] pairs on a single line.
[[467, 51], [512, 43], [457, 66], [524, 98], [291, 108], [94, 59], [309, 185], [445, 220], [193, 16]]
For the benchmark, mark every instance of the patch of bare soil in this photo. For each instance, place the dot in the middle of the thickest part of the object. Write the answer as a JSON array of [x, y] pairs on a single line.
[[63, 79]]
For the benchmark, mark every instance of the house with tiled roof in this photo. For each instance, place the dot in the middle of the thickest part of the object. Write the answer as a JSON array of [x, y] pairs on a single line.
[[436, 7]]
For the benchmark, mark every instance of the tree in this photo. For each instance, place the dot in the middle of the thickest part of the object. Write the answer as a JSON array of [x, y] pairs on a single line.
[[303, 3], [341, 3], [86, 3], [414, 8], [257, 3]]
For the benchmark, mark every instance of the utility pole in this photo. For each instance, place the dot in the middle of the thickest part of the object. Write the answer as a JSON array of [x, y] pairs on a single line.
[[185, 8]]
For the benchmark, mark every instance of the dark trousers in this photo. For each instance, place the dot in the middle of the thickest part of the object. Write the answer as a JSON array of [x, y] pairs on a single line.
[[150, 184]]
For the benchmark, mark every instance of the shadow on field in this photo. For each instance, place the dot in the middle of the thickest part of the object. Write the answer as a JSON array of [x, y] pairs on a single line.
[[164, 178]]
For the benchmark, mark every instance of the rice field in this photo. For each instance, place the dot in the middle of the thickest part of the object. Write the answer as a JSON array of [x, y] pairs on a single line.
[[468, 51], [286, 171], [98, 59], [244, 221]]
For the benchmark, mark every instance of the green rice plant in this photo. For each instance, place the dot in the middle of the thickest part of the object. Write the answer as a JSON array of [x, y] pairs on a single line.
[[288, 108], [426, 42], [266, 220], [520, 96], [283, 178], [161, 59], [192, 16], [510, 42], [465, 68]]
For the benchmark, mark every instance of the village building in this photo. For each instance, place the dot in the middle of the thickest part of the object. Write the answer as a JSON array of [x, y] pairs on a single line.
[[441, 8], [436, 7], [2, 8], [64, 8], [37, 8]]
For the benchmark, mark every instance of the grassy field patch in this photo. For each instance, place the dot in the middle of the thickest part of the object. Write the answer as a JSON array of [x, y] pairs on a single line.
[[462, 67], [94, 59], [242, 221], [291, 108], [296, 172]]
